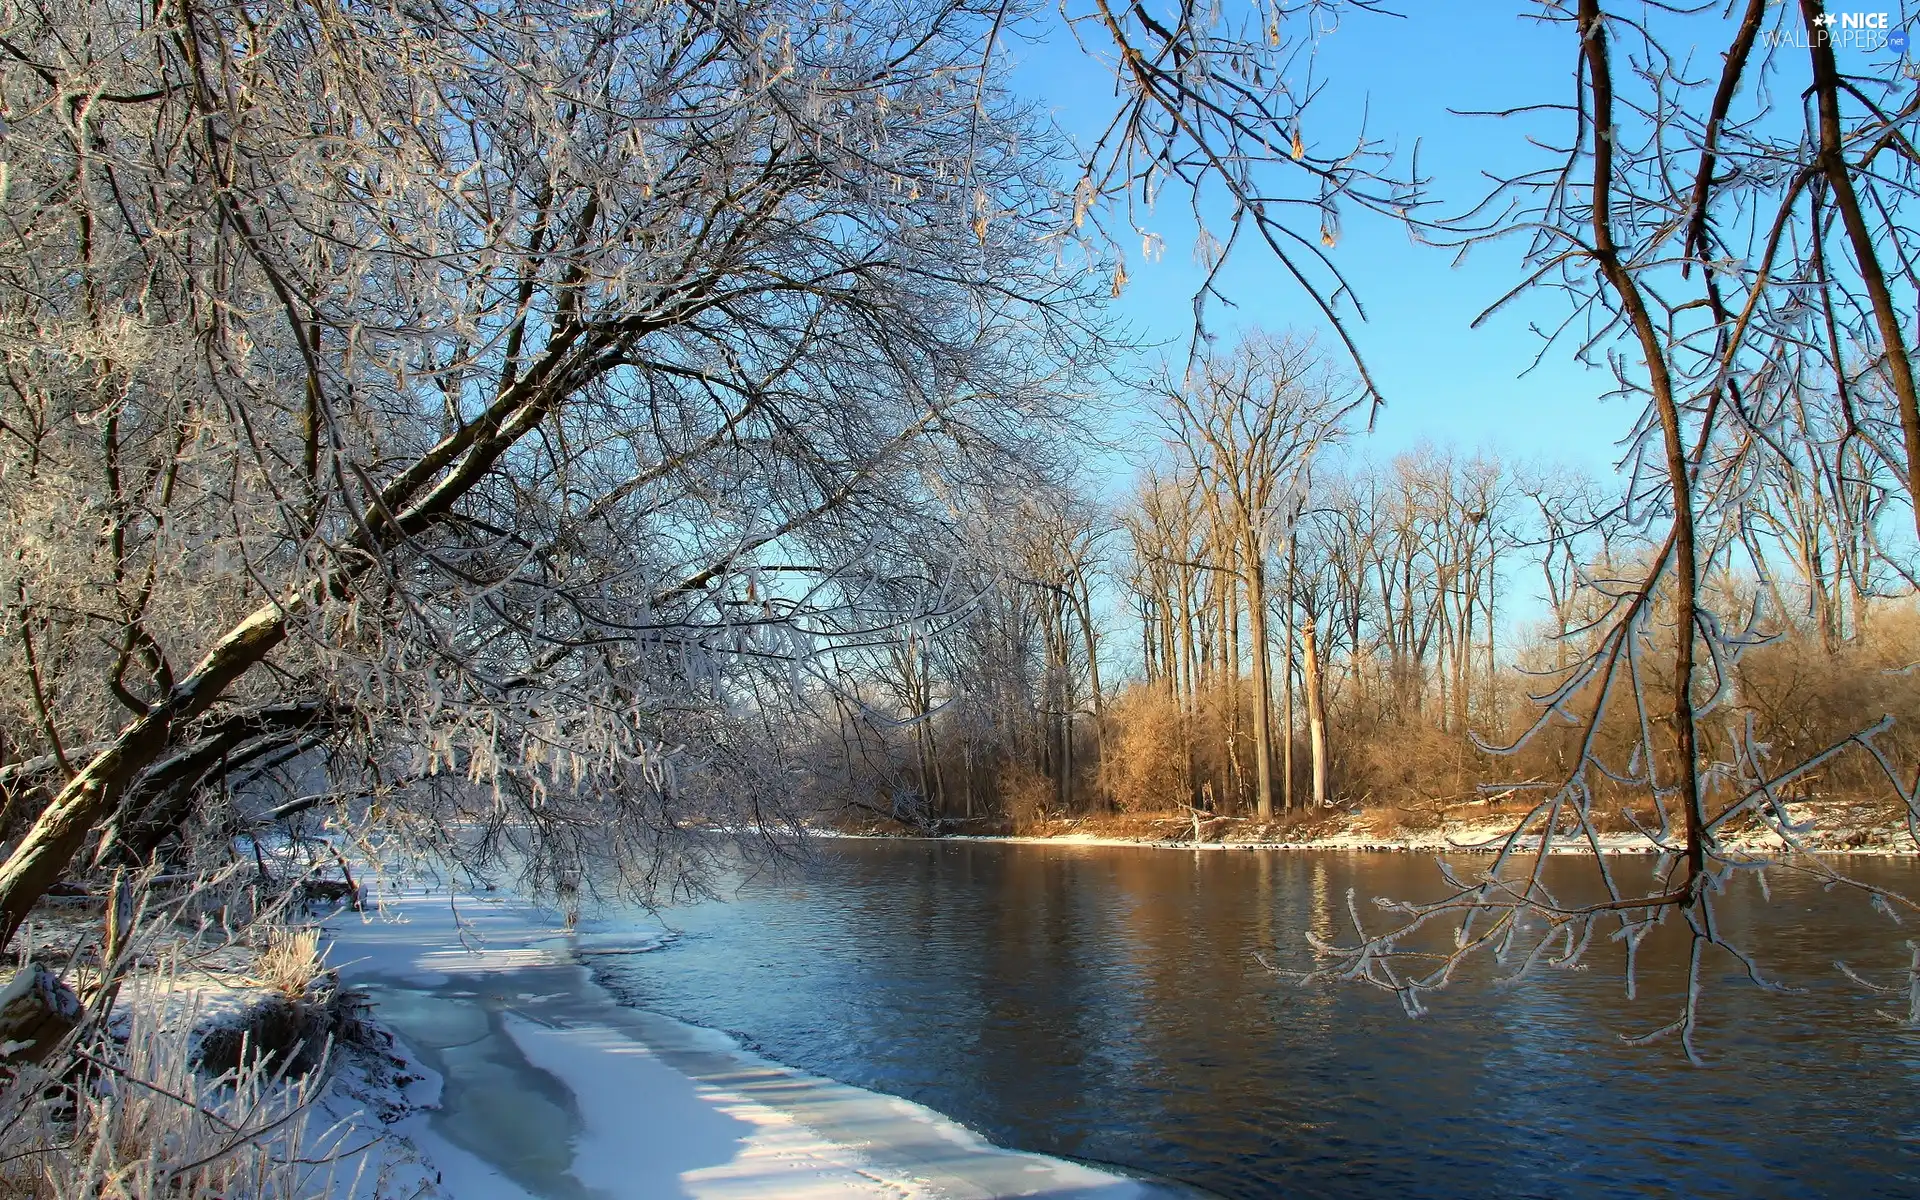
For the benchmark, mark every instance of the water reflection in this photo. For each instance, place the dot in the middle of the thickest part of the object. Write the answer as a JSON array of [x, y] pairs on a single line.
[[1106, 1003]]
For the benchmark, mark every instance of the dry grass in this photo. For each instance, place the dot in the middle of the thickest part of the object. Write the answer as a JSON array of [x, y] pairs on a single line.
[[1024, 793], [132, 1120], [1387, 822], [291, 963]]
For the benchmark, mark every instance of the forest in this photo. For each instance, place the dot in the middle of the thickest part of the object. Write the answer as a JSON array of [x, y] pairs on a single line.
[[1287, 627]]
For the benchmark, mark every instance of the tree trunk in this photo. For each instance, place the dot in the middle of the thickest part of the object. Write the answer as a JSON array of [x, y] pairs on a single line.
[[1083, 607], [1286, 693], [1262, 687], [1188, 692], [1236, 789], [1496, 710], [1316, 711], [939, 777], [966, 777], [50, 844]]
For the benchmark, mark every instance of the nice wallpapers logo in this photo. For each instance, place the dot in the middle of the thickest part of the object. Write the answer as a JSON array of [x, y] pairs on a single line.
[[1846, 31]]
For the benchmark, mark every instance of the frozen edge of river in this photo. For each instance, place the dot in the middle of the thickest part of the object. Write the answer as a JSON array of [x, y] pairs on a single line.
[[550, 1088]]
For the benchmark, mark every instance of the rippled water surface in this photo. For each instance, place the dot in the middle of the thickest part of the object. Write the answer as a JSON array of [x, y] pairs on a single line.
[[1110, 1004]]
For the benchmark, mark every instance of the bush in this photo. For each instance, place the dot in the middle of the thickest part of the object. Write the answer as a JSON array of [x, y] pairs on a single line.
[[1025, 794], [1145, 770]]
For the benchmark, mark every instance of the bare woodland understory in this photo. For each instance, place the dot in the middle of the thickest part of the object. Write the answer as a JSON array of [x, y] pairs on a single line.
[[602, 440]]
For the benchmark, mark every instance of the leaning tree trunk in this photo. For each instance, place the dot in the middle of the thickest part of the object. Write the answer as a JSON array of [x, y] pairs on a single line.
[[416, 498], [37, 862]]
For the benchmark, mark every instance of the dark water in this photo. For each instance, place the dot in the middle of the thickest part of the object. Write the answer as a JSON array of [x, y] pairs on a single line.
[[1107, 1004]]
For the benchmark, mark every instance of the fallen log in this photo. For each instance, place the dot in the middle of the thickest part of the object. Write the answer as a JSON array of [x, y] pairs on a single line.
[[37, 1012]]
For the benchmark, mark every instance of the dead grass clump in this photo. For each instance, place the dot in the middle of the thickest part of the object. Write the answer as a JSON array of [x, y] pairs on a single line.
[[130, 1118], [1140, 826], [291, 962], [293, 1037], [301, 1013], [1390, 820]]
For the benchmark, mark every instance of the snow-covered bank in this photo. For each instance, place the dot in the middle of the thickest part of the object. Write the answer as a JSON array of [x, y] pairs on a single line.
[[548, 1088], [1480, 835], [1458, 841]]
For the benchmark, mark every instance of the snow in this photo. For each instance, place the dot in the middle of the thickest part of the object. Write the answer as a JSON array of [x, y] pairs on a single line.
[[537, 1084], [1455, 839], [377, 1160], [709, 1143], [1849, 835]]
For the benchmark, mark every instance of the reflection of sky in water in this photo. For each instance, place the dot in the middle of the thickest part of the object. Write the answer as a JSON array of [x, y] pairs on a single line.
[[1107, 1004]]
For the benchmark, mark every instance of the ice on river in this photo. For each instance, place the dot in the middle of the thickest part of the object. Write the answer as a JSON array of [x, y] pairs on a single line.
[[552, 1090]]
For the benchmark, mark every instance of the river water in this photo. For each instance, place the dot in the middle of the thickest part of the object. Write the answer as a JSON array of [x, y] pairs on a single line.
[[1110, 1004]]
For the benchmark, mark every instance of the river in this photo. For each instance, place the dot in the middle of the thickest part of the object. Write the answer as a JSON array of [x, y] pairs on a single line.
[[1109, 1004]]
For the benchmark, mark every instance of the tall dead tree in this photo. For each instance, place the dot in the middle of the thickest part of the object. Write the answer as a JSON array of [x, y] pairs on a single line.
[[1246, 423]]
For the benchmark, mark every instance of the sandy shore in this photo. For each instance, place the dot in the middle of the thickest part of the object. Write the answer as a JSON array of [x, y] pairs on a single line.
[[535, 1083]]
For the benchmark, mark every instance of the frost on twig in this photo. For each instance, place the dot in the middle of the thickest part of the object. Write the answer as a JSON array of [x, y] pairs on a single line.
[[488, 430], [1766, 359]]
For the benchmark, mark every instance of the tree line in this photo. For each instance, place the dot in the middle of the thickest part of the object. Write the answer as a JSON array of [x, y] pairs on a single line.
[[1270, 623]]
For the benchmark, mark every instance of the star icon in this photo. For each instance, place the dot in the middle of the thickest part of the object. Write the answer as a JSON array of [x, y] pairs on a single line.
[[1824, 19]]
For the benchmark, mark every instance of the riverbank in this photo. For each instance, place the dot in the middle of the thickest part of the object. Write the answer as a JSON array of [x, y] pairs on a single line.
[[533, 1082], [1830, 827]]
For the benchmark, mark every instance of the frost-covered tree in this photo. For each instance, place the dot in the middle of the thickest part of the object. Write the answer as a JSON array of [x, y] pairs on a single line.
[[524, 394], [1731, 235], [490, 409]]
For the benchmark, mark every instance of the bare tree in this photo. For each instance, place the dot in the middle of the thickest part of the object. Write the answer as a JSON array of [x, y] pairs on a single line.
[[497, 401], [1247, 424], [1693, 228]]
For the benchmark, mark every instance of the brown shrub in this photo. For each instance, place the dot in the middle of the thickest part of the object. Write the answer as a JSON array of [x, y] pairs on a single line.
[[1024, 795], [1145, 769]]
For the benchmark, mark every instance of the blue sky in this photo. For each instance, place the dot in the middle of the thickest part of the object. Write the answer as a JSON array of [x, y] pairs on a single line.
[[1444, 382]]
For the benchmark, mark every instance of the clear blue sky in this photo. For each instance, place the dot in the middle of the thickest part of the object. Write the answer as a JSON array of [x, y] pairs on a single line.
[[1444, 382]]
